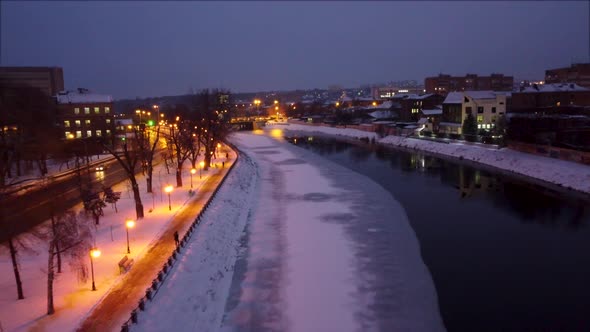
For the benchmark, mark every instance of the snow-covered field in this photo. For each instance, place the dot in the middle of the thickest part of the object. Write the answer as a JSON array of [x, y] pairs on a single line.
[[73, 299], [564, 173], [295, 243]]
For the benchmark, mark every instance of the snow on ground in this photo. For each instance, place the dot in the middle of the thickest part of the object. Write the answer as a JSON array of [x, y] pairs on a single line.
[[193, 296], [305, 268], [565, 173], [73, 299]]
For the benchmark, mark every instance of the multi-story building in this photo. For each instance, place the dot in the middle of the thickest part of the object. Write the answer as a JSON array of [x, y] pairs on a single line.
[[412, 105], [539, 98], [83, 114], [578, 73], [443, 84], [485, 106], [50, 80], [388, 92]]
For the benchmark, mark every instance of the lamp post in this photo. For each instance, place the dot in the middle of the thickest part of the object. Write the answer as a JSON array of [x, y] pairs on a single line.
[[94, 253], [202, 164], [169, 189], [193, 171], [129, 223], [157, 108]]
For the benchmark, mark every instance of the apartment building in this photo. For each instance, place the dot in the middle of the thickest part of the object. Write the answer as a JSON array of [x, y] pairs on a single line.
[[50, 80], [83, 114], [485, 106], [443, 84]]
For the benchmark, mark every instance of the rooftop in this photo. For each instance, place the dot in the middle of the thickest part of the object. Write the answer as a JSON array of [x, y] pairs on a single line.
[[553, 87], [81, 96]]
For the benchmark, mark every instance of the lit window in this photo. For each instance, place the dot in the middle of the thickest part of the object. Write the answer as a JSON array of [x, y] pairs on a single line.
[[78, 123], [86, 110], [96, 110], [107, 110], [88, 133], [87, 122], [77, 110], [108, 121], [99, 133], [78, 134], [68, 134], [479, 118], [108, 131], [67, 123], [478, 126]]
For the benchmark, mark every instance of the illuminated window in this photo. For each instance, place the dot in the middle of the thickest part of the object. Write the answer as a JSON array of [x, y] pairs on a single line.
[[78, 134], [87, 122], [108, 121], [479, 118], [108, 131], [96, 110], [86, 110], [78, 123], [68, 134], [99, 133], [88, 133], [107, 110], [67, 123], [77, 110], [478, 126]]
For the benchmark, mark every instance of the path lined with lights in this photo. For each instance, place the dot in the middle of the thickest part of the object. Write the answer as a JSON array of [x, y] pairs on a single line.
[[114, 308]]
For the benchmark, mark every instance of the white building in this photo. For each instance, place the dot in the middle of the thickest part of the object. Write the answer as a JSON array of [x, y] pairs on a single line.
[[485, 106]]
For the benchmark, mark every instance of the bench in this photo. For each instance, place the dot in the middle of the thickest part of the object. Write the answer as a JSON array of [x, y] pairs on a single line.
[[124, 264]]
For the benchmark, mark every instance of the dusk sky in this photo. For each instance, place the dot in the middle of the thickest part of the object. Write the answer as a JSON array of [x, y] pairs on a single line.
[[146, 49]]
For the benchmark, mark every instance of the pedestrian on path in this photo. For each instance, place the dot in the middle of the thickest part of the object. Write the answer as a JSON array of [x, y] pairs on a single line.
[[223, 164], [176, 239], [226, 155]]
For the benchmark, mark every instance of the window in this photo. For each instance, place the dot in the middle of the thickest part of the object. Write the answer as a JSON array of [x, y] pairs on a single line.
[[108, 131], [479, 109], [86, 110], [88, 133], [67, 123], [87, 122], [99, 133], [479, 118], [468, 109], [77, 110], [77, 123], [108, 121], [68, 134], [107, 110], [78, 134], [97, 110], [493, 110]]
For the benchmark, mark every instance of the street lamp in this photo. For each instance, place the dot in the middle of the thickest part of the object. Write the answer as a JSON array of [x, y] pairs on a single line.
[[202, 164], [129, 223], [169, 189], [157, 108], [193, 171], [94, 253]]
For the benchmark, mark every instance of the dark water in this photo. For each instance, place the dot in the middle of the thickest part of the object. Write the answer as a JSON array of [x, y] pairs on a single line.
[[505, 254]]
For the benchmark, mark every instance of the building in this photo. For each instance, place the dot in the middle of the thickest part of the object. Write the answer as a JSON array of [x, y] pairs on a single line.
[[83, 114], [443, 84], [485, 106], [412, 105], [49, 79], [537, 98], [433, 117], [387, 92], [577, 73]]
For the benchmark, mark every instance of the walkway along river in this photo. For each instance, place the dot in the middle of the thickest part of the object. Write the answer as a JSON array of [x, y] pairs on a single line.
[[505, 254]]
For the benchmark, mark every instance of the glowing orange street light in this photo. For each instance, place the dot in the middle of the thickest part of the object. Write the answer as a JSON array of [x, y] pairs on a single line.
[[94, 253], [129, 223], [168, 190], [202, 164], [193, 171]]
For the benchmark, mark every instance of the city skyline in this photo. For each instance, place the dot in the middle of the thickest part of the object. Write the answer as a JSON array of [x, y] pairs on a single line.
[[142, 49]]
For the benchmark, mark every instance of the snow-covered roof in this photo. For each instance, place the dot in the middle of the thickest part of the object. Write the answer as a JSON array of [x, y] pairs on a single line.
[[454, 98], [554, 87], [382, 114], [436, 111], [420, 97], [82, 96], [450, 124], [485, 94]]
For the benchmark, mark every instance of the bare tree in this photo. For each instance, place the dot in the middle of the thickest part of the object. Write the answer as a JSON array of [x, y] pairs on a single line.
[[128, 154], [73, 236], [181, 139], [148, 143], [212, 109]]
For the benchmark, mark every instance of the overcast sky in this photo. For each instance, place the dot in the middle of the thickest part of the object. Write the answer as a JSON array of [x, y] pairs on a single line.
[[144, 49]]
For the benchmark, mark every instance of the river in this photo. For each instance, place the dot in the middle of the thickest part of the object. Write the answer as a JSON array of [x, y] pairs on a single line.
[[505, 254]]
